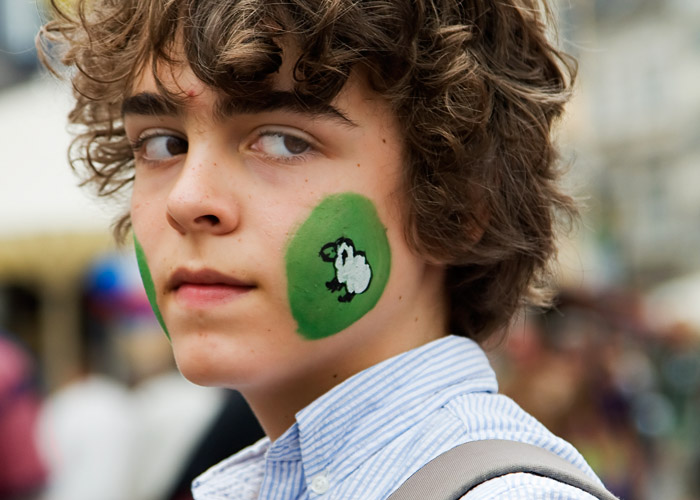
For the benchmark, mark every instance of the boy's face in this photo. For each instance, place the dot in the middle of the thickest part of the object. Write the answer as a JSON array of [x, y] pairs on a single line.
[[263, 224]]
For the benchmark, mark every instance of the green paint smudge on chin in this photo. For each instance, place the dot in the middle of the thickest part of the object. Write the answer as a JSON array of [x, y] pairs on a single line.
[[148, 283], [320, 296]]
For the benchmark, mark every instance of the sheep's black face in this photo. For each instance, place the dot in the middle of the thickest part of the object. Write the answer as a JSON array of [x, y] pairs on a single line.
[[328, 252]]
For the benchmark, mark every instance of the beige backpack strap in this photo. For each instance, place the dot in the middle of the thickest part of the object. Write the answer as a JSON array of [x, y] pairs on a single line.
[[454, 473]]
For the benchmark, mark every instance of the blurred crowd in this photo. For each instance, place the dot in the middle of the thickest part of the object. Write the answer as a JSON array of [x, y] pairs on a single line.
[[22, 472], [599, 371], [126, 426]]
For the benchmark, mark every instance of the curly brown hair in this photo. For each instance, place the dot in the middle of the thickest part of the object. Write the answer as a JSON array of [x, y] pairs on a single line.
[[476, 86]]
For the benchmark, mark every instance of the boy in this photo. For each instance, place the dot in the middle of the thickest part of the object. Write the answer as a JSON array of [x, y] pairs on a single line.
[[321, 193]]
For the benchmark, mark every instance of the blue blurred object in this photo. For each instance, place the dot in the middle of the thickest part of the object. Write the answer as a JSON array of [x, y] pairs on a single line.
[[114, 288]]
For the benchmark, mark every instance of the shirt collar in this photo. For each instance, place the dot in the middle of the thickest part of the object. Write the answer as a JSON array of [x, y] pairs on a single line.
[[363, 413]]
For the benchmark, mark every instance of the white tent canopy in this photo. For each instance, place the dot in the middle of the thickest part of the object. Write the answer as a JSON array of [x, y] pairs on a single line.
[[38, 190], [676, 302]]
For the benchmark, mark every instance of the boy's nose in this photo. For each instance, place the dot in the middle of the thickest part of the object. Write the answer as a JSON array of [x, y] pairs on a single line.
[[201, 201]]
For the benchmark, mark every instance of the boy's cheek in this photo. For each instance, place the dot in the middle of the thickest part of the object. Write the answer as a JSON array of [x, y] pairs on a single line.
[[148, 284], [337, 264]]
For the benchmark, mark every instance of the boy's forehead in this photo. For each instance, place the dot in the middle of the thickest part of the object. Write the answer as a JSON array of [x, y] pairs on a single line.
[[177, 79], [186, 90]]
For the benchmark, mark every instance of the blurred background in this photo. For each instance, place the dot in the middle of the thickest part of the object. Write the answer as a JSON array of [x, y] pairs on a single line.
[[92, 408]]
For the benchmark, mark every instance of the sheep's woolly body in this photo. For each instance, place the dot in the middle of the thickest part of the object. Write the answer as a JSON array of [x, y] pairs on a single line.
[[352, 270]]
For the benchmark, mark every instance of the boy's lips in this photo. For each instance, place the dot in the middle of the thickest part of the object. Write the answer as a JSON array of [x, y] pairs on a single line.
[[205, 287]]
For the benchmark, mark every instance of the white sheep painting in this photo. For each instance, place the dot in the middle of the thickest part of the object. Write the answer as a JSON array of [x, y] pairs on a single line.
[[352, 271]]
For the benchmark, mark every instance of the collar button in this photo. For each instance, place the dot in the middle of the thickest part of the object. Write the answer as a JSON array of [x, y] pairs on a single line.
[[320, 484]]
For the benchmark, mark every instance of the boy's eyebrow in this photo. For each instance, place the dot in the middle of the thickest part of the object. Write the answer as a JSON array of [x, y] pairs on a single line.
[[153, 104], [149, 104], [278, 100]]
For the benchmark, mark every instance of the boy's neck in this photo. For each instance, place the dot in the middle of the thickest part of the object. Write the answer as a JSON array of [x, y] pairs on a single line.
[[276, 404]]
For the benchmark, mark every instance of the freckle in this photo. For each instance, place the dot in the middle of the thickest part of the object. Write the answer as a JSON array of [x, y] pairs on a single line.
[[335, 375], [416, 320], [306, 180], [358, 165], [384, 141]]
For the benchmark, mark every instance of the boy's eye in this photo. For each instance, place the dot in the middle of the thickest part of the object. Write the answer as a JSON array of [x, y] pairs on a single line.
[[281, 145], [160, 147]]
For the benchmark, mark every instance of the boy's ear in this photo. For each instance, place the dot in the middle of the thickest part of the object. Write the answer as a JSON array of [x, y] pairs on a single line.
[[478, 219], [476, 227]]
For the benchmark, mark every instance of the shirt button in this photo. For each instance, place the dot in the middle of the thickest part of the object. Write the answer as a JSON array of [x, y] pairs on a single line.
[[320, 484]]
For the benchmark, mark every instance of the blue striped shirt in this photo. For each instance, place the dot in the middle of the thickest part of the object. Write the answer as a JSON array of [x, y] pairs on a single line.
[[367, 435]]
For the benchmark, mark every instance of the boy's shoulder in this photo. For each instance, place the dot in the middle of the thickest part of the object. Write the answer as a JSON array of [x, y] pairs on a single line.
[[522, 486]]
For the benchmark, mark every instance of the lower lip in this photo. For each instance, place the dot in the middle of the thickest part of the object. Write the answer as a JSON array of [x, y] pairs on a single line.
[[193, 295]]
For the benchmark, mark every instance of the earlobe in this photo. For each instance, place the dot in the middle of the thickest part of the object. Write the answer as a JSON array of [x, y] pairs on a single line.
[[476, 227]]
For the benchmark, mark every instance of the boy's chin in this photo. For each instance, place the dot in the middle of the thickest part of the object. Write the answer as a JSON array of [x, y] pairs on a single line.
[[208, 365], [200, 374], [218, 359]]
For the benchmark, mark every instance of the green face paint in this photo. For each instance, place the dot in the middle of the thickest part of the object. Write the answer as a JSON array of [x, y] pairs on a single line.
[[338, 263], [148, 283]]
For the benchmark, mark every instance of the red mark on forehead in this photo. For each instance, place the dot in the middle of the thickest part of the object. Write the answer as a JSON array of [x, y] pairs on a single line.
[[191, 93]]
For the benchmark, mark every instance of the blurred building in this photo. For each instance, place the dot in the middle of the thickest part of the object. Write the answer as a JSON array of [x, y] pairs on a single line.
[[49, 229], [19, 22], [633, 135]]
